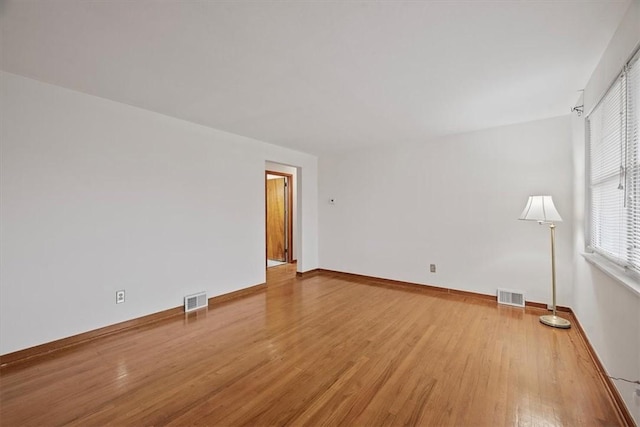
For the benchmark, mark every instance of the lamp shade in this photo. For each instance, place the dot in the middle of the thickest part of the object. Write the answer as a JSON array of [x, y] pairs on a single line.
[[541, 209]]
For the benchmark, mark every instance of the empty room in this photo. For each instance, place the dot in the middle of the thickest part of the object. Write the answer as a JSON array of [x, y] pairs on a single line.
[[342, 213]]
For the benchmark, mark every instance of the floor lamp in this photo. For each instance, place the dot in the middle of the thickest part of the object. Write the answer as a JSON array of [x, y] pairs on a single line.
[[542, 210]]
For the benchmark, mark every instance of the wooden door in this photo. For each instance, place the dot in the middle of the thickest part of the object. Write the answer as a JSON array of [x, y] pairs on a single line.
[[276, 219]]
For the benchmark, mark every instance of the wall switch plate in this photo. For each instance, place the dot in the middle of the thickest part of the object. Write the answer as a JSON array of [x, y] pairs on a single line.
[[120, 296], [432, 268]]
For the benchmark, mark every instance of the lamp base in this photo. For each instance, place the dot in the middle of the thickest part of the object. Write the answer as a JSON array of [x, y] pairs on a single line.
[[555, 321]]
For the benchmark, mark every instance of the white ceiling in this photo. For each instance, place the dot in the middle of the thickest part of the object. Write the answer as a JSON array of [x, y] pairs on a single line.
[[319, 76]]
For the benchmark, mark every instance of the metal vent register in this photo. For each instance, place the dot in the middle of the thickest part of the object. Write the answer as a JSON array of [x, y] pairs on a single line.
[[195, 301], [509, 297]]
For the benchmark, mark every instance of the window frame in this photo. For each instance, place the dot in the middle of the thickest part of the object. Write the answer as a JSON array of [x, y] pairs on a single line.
[[617, 268]]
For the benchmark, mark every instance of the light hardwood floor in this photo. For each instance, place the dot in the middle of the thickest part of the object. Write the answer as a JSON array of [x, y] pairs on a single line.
[[320, 350]]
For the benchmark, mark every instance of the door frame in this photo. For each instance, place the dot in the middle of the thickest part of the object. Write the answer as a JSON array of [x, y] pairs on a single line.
[[289, 215]]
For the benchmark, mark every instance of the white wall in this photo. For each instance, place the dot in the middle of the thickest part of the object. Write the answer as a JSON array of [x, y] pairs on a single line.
[[608, 311], [453, 202], [276, 167], [99, 196]]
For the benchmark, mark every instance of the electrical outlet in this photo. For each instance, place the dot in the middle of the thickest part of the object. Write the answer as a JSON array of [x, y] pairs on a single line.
[[120, 296], [432, 268]]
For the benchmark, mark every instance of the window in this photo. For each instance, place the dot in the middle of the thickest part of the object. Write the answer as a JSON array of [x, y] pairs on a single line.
[[613, 171]]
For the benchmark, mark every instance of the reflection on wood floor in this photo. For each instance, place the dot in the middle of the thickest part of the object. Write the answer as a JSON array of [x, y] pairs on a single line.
[[324, 349]]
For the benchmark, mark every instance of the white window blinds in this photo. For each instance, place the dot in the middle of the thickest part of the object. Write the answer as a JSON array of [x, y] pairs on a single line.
[[614, 171]]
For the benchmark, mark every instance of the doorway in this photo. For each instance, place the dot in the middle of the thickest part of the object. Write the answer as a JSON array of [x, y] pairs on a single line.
[[279, 218]]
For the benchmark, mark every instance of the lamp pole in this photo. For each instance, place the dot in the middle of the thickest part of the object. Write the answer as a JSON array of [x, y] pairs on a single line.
[[553, 320], [552, 227]]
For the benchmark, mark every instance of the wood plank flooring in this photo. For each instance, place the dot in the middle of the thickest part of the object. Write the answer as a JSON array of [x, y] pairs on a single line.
[[320, 350]]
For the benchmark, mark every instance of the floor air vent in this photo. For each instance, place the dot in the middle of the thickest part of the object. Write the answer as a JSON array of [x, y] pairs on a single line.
[[195, 301], [509, 297]]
